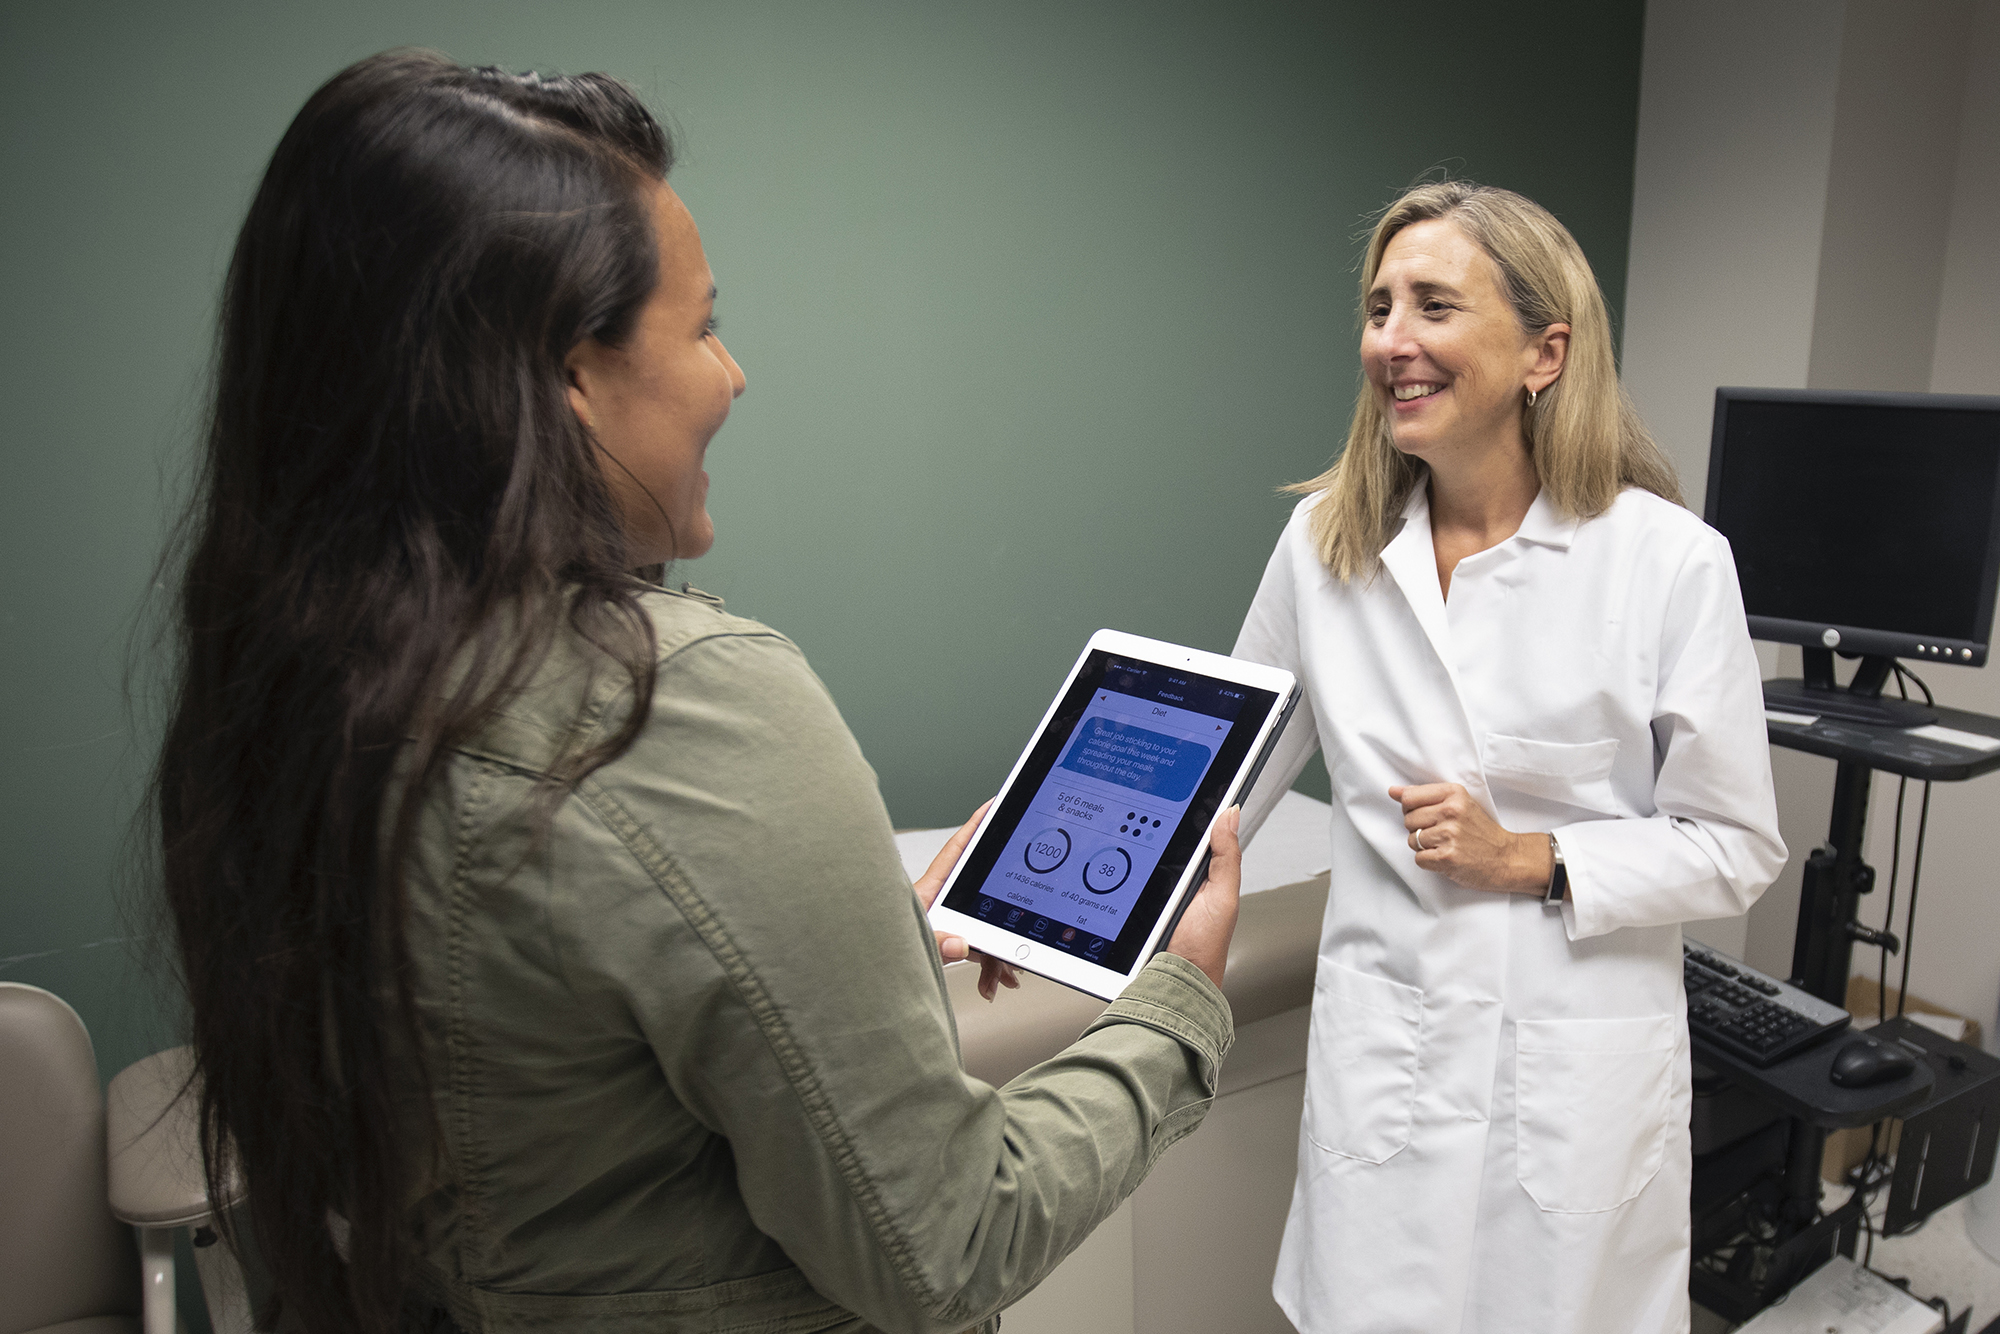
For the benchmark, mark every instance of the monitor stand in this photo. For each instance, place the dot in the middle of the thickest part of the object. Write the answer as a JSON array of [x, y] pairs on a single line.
[[1860, 701]]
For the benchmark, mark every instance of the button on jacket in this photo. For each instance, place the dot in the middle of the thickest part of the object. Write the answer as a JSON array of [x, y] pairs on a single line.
[[691, 1053], [1495, 1134]]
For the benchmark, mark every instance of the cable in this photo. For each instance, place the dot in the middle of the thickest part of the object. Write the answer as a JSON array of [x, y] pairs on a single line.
[[1866, 1184], [1903, 673], [1865, 1177], [1903, 677], [1910, 913], [1889, 909], [1867, 1170], [1917, 862]]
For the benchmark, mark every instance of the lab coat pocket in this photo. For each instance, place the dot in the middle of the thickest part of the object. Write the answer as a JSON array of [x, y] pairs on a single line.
[[1361, 1078], [1574, 773], [1590, 1108]]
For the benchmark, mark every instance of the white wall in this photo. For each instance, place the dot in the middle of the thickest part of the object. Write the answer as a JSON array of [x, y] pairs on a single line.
[[1817, 203], [1967, 359], [1728, 204], [1888, 193], [1957, 949], [1729, 178]]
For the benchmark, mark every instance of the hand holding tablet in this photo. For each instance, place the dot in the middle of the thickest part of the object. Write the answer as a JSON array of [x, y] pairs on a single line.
[[1209, 921], [993, 974], [1202, 937], [1079, 869]]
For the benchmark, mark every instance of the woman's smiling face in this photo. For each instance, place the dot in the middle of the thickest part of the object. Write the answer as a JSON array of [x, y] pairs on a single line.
[[1443, 348], [654, 403]]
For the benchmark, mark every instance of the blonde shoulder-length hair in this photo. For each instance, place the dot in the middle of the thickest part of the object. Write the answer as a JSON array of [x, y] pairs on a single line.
[[1584, 436]]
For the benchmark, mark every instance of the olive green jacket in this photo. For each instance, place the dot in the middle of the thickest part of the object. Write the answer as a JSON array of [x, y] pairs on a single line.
[[691, 1053]]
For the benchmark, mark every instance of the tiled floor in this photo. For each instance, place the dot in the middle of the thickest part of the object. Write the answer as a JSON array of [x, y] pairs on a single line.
[[1938, 1259]]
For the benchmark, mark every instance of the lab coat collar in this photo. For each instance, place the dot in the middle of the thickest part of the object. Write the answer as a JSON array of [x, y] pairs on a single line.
[[1546, 525], [1411, 560]]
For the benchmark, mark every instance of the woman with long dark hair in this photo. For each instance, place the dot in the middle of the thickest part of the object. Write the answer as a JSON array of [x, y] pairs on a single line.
[[549, 957]]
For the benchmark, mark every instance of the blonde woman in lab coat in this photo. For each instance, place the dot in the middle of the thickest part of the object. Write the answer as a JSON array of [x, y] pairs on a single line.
[[1528, 669]]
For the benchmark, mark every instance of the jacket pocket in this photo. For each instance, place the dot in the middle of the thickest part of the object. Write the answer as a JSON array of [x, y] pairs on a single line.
[[1361, 1081], [1590, 1108], [1576, 773]]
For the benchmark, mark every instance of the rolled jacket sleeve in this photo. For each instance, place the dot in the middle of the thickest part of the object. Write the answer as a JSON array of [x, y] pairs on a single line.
[[1712, 844], [785, 976]]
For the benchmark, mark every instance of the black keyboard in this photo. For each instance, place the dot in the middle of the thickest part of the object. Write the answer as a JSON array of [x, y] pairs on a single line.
[[1748, 1014]]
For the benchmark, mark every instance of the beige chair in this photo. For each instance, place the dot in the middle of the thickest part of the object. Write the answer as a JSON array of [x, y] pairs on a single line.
[[1192, 1251], [156, 1185], [66, 1265]]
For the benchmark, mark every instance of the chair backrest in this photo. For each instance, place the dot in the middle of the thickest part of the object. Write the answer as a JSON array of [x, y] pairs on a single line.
[[62, 1255]]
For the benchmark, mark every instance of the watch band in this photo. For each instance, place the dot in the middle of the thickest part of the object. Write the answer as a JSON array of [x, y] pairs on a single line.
[[1558, 875]]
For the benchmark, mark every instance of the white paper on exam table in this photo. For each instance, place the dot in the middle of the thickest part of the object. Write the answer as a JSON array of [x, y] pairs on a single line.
[[1841, 1297], [1292, 846]]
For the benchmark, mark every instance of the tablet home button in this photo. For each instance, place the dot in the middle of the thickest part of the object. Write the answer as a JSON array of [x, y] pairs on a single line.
[[1022, 953]]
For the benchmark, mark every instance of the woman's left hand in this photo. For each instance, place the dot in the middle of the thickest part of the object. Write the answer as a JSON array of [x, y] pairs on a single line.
[[1453, 835], [992, 973]]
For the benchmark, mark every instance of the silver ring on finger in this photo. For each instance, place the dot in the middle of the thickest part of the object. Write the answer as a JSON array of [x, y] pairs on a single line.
[[1420, 840]]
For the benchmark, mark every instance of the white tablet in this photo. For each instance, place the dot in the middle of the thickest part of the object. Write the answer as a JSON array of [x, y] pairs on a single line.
[[1100, 835]]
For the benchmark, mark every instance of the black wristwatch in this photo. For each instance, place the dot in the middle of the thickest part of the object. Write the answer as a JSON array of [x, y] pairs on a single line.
[[1558, 876]]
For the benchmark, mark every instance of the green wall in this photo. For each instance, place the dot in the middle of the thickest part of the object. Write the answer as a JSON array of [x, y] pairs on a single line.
[[1038, 303]]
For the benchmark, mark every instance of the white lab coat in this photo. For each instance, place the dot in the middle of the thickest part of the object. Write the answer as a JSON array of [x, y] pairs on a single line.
[[1495, 1134]]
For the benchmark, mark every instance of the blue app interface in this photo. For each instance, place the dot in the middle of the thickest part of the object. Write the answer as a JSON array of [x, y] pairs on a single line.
[[1095, 828]]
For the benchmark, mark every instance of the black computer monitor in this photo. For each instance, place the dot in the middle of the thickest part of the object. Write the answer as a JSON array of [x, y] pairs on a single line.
[[1862, 523]]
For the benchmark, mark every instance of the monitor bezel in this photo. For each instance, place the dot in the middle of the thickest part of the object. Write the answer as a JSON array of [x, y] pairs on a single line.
[[1855, 639]]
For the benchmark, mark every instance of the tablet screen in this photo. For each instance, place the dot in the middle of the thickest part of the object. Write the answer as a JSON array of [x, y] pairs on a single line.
[[1099, 825]]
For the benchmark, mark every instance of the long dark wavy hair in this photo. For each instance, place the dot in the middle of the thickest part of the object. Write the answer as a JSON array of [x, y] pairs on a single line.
[[397, 513]]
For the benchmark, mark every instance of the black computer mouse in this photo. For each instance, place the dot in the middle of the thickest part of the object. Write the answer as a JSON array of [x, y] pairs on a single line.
[[1865, 1062]]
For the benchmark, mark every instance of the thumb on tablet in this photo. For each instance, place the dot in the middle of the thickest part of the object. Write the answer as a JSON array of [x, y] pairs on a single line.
[[1202, 938], [932, 880]]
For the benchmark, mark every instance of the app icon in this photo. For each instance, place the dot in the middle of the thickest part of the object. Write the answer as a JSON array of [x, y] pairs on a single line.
[[1069, 934], [1013, 916], [1095, 948], [1040, 927]]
